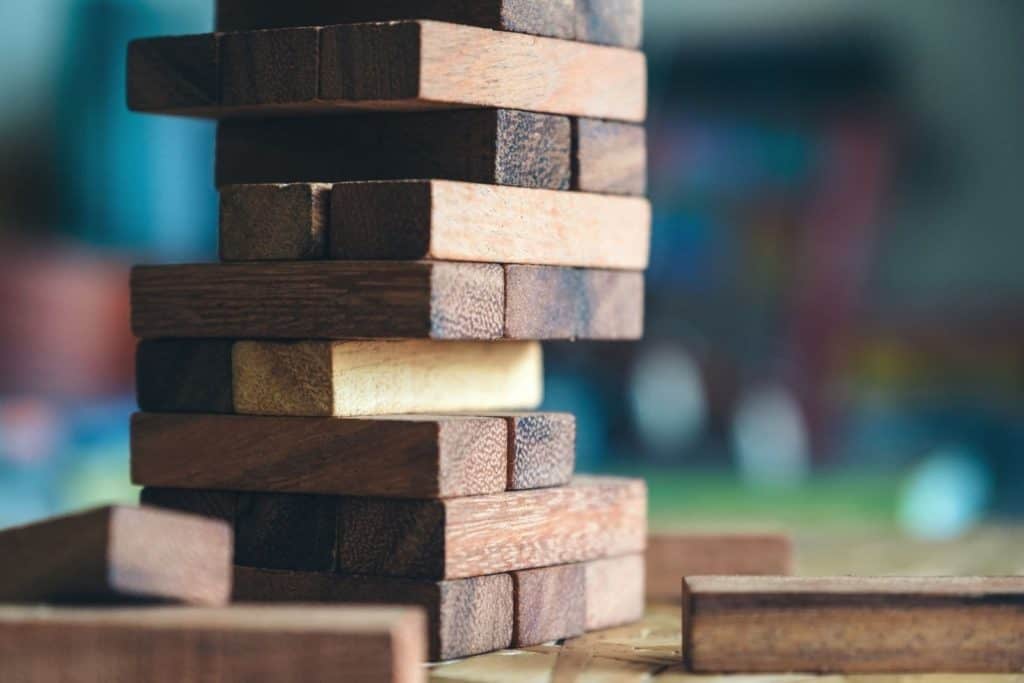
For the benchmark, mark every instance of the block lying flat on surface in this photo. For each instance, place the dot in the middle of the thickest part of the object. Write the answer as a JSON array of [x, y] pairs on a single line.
[[550, 604], [177, 75], [319, 300], [182, 375], [274, 222], [615, 591], [452, 221], [493, 146], [381, 378], [117, 554], [306, 644], [853, 624], [673, 556], [613, 22], [464, 617], [590, 519], [609, 157]]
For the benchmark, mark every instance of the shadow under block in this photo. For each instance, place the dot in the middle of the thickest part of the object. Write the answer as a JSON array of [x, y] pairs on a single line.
[[451, 221], [184, 376], [592, 518], [615, 592], [853, 625], [238, 644], [405, 66], [491, 146], [385, 300], [673, 556], [609, 157], [341, 379], [274, 222], [550, 604], [117, 554], [464, 617]]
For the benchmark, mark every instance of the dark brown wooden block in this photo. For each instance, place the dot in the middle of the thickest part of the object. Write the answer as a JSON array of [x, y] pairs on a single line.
[[278, 67], [177, 75], [612, 22], [550, 604], [318, 301], [222, 505], [461, 537], [464, 617], [542, 450], [274, 222], [306, 644], [566, 303], [609, 157], [853, 624], [117, 554], [184, 376], [500, 147]]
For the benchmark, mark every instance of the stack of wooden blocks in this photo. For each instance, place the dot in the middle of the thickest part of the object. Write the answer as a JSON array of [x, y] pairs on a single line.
[[413, 195]]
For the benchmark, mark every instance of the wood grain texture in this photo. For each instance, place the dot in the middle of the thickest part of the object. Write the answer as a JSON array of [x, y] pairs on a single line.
[[500, 147], [853, 624], [240, 644], [184, 376], [452, 221], [565, 303], [259, 68], [615, 591], [117, 554], [397, 457], [612, 22], [542, 450], [379, 378], [176, 75], [550, 604], [673, 556], [609, 157], [318, 301], [592, 518], [464, 617], [274, 222]]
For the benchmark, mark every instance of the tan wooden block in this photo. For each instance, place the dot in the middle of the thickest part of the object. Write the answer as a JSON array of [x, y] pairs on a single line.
[[609, 157], [550, 604], [615, 591], [274, 222]]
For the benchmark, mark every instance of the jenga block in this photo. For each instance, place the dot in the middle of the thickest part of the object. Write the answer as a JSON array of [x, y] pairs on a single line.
[[542, 450], [609, 157], [613, 22], [452, 221], [550, 604], [259, 68], [464, 617], [615, 591], [239, 644], [319, 300], [117, 554], [222, 505], [381, 378], [565, 303], [182, 375], [461, 537], [853, 624], [176, 75], [274, 222], [499, 147], [673, 556], [554, 18]]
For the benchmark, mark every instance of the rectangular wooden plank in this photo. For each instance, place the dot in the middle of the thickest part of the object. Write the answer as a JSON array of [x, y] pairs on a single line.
[[853, 624], [673, 556], [274, 222], [318, 301], [615, 591], [550, 604], [177, 75], [415, 65], [464, 617], [594, 517], [494, 146], [612, 22], [544, 302], [117, 554], [345, 379], [609, 157], [238, 644], [184, 375], [453, 221]]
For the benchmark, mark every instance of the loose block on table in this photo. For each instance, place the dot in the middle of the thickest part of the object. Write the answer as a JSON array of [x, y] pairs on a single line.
[[609, 157], [615, 591], [391, 456], [494, 146], [853, 624], [550, 604], [673, 556], [117, 554], [238, 644], [274, 222], [453, 221]]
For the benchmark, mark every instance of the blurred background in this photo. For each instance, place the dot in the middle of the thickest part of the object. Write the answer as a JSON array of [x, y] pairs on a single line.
[[835, 308]]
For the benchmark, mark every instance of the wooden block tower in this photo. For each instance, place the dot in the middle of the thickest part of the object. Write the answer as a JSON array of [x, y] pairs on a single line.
[[414, 195]]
